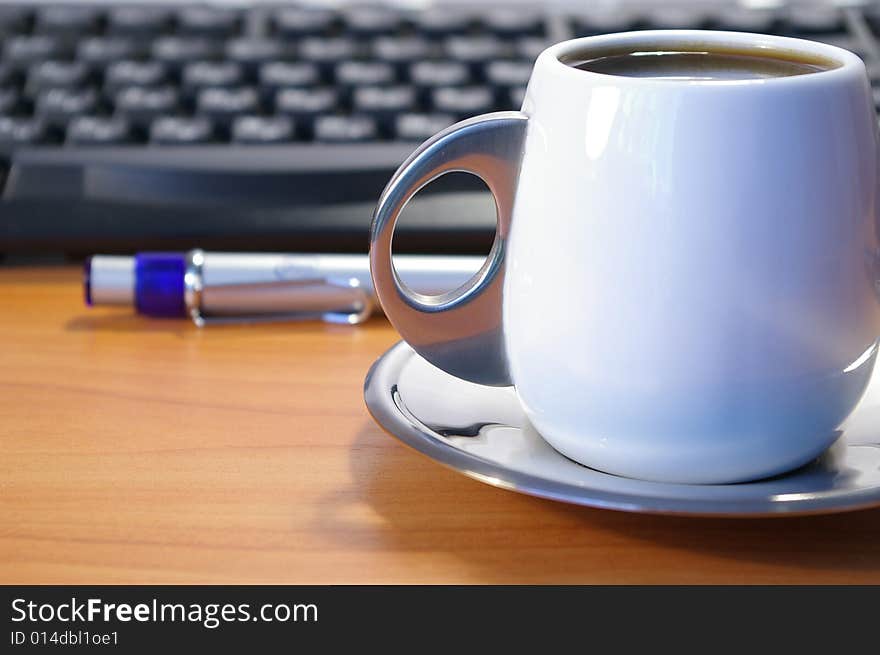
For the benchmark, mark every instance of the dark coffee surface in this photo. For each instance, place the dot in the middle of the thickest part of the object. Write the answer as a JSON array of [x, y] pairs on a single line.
[[707, 65]]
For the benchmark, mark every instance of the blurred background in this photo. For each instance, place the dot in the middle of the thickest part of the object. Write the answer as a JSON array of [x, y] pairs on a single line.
[[128, 126]]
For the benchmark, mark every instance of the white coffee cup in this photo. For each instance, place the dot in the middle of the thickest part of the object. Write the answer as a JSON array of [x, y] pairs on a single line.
[[684, 281]]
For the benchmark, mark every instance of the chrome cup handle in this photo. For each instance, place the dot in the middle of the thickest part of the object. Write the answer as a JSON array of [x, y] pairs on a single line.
[[459, 331]]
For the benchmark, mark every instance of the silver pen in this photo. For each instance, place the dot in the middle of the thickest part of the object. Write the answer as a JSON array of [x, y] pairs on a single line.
[[225, 287]]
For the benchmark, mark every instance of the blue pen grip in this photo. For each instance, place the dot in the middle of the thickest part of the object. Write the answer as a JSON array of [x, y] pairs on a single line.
[[159, 284]]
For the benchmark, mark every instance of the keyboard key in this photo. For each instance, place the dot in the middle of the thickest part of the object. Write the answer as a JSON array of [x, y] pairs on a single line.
[[327, 50], [203, 74], [103, 50], [21, 131], [363, 73], [281, 74], [872, 16], [305, 103], [9, 99], [513, 21], [172, 130], [66, 19], [252, 51], [473, 49], [605, 22], [262, 129], [808, 21], [98, 130], [371, 20], [14, 19], [345, 129], [58, 106], [383, 102], [516, 96], [463, 101], [400, 49], [419, 127], [142, 104], [443, 21], [303, 21], [742, 19], [504, 73], [176, 50], [676, 18], [55, 74], [22, 51], [208, 21], [428, 74], [138, 20], [224, 104], [530, 47], [8, 75], [873, 68], [124, 74]]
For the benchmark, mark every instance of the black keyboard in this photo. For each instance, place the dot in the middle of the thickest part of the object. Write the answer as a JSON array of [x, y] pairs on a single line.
[[141, 127]]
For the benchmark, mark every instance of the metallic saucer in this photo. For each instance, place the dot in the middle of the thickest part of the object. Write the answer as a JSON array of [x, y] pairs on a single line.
[[482, 432]]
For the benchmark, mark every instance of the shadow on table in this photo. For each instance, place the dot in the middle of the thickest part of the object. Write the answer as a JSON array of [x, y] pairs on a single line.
[[426, 507], [126, 321]]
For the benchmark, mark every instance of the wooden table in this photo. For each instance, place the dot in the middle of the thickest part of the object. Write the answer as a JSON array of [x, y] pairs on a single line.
[[142, 451]]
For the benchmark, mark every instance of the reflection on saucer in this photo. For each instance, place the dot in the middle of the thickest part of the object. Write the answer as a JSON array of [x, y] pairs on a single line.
[[483, 432]]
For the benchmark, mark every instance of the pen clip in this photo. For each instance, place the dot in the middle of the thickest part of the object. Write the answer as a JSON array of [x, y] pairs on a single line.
[[332, 300]]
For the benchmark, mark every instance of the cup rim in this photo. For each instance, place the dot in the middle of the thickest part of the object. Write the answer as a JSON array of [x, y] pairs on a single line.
[[848, 61]]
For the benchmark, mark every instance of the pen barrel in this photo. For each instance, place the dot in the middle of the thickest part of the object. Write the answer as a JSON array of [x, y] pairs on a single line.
[[265, 284], [268, 299]]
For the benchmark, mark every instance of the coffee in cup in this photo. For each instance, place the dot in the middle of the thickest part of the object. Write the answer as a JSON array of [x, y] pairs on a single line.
[[700, 61]]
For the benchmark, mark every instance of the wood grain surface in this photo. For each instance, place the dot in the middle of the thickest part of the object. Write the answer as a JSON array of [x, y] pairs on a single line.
[[144, 451]]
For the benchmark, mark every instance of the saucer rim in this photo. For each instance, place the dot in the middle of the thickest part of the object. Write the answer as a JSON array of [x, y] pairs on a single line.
[[389, 416]]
